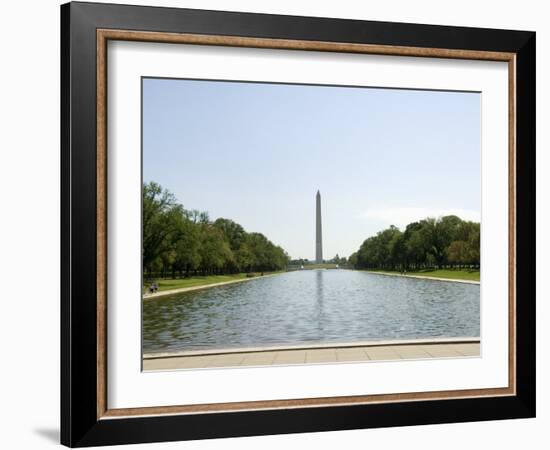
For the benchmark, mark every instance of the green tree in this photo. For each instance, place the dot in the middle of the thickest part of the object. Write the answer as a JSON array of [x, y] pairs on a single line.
[[187, 247], [233, 232], [215, 251], [458, 252], [428, 243], [160, 218]]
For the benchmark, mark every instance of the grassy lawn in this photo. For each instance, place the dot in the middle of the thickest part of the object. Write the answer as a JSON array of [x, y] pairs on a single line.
[[169, 284], [453, 274]]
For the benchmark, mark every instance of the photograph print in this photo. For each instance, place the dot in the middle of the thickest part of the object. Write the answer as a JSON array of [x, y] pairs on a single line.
[[288, 224]]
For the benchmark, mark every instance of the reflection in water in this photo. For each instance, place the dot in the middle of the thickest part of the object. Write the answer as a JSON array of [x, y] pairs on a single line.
[[319, 292], [311, 306]]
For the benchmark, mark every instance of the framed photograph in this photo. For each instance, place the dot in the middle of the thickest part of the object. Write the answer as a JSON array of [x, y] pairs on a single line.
[[278, 224]]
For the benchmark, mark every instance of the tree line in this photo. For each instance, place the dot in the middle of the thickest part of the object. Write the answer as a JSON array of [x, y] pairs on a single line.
[[446, 242], [341, 260], [181, 242]]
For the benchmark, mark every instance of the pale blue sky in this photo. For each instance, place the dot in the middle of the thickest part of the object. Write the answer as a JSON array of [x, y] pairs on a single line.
[[257, 153]]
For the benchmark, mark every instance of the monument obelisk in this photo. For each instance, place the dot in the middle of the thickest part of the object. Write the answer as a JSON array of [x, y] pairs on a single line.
[[318, 231]]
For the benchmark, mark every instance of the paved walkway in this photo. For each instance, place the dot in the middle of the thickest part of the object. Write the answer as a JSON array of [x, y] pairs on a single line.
[[204, 286], [418, 349], [422, 277]]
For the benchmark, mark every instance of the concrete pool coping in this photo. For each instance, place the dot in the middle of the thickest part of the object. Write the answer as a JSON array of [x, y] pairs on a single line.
[[358, 353], [343, 345]]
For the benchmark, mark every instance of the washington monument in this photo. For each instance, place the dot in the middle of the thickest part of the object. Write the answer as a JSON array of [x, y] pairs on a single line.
[[318, 232]]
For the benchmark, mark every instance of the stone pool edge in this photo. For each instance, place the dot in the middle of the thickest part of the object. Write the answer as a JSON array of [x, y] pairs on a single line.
[[387, 343]]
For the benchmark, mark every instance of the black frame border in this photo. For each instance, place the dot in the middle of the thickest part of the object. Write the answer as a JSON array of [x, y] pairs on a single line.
[[79, 423]]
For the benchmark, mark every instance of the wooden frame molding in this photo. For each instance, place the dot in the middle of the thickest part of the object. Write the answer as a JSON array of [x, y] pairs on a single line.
[[103, 36]]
